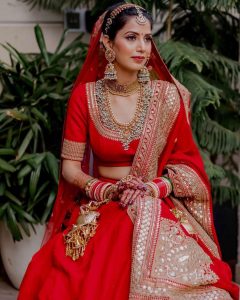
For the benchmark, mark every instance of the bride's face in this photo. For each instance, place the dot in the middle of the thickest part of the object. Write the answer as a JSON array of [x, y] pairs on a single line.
[[132, 45]]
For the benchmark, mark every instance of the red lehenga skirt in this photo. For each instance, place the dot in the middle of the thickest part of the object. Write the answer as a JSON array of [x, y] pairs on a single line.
[[103, 273]]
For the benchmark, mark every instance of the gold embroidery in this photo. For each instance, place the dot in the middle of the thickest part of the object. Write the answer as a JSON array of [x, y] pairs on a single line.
[[166, 262], [205, 293], [180, 215], [179, 257], [73, 150], [103, 121], [189, 186], [197, 228], [185, 94], [162, 113]]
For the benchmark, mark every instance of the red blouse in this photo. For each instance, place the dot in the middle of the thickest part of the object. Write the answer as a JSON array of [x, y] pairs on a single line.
[[79, 127]]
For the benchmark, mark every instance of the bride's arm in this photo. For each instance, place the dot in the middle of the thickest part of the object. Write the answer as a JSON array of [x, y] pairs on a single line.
[[72, 173]]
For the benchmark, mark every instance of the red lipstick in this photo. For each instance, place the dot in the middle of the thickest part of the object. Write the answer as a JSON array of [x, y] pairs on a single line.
[[138, 58]]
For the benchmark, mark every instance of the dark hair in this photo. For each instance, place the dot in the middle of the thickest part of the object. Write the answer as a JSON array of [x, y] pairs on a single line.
[[121, 19]]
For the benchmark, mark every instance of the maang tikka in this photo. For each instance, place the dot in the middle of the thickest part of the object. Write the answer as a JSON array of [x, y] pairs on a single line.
[[110, 72]]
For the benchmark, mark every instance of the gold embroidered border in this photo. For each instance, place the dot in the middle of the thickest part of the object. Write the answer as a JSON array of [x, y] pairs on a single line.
[[73, 150], [165, 261], [162, 113], [185, 94], [198, 229], [189, 186]]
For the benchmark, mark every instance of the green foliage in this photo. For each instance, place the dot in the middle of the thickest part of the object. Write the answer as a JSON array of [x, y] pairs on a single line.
[[209, 77], [35, 88]]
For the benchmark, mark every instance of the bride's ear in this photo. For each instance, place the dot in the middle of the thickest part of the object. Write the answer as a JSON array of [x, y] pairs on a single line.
[[107, 43]]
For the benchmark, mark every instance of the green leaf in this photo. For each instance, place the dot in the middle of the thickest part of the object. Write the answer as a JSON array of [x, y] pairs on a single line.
[[25, 144], [2, 188], [7, 151], [52, 164], [33, 182], [49, 206], [16, 114], [5, 166], [37, 159], [3, 208], [40, 116], [22, 214], [61, 41], [25, 227], [41, 43], [24, 172], [19, 56], [13, 225], [13, 198]]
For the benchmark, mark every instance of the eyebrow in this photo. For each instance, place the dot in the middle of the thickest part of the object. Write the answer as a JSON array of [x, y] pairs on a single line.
[[136, 33]]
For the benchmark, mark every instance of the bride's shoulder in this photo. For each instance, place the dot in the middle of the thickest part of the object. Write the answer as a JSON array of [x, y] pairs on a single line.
[[164, 83], [164, 86]]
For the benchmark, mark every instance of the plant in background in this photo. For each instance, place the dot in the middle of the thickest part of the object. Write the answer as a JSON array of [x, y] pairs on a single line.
[[35, 89]]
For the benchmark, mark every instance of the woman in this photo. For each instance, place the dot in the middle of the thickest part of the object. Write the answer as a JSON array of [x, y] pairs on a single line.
[[144, 229]]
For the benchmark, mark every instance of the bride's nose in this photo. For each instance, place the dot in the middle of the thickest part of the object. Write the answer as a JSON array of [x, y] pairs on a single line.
[[141, 46]]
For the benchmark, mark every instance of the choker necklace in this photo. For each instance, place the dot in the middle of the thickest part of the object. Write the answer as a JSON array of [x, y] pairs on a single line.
[[123, 90]]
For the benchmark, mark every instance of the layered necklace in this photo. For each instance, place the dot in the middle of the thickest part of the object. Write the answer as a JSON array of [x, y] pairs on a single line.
[[126, 132]]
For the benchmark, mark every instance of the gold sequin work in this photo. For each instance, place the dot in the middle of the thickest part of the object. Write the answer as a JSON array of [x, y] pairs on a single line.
[[162, 113], [73, 150], [172, 266], [188, 185]]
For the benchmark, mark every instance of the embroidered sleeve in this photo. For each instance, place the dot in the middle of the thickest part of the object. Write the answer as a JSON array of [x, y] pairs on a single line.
[[73, 150], [76, 125]]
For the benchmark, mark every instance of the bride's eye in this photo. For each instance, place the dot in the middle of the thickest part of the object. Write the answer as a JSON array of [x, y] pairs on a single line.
[[131, 37], [148, 38]]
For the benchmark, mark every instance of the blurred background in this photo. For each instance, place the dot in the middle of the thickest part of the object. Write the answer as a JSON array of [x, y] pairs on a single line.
[[43, 45]]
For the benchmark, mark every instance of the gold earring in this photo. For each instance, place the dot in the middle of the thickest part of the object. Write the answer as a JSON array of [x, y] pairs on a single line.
[[143, 75], [110, 73]]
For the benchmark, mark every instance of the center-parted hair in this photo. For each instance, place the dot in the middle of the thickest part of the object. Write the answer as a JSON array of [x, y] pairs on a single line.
[[118, 22]]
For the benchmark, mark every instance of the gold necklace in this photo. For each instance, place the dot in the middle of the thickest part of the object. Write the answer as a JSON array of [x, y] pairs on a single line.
[[123, 90], [126, 127], [122, 132]]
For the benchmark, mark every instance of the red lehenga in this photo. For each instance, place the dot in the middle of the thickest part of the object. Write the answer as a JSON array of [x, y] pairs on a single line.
[[155, 249]]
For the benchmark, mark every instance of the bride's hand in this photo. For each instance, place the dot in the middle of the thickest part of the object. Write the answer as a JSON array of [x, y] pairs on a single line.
[[131, 182], [128, 196], [130, 188]]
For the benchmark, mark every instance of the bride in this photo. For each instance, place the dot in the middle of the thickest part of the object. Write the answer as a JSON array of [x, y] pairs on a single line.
[[133, 214]]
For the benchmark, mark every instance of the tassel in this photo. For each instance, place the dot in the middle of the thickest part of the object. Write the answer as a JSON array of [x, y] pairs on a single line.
[[77, 238]]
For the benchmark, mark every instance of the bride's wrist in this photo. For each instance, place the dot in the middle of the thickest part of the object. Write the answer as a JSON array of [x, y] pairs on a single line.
[[160, 187], [98, 190]]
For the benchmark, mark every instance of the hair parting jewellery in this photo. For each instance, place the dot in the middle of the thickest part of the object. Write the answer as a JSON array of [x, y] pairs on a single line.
[[140, 18]]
